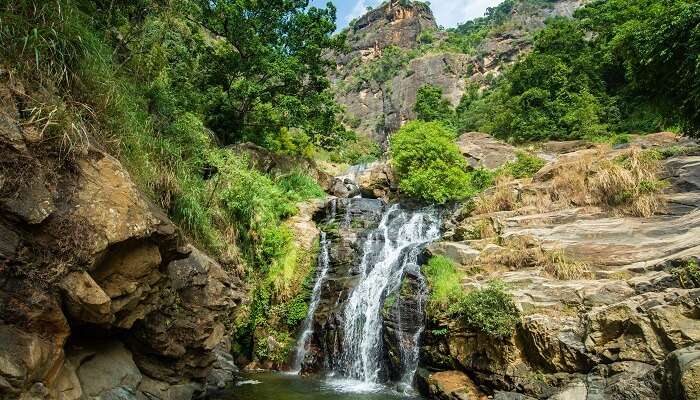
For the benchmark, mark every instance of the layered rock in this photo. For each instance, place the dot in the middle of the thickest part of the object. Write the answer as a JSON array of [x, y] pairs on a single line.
[[624, 324], [85, 254]]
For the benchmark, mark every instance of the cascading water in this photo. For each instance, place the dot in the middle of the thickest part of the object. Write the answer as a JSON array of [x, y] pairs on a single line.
[[307, 327], [388, 252], [408, 343]]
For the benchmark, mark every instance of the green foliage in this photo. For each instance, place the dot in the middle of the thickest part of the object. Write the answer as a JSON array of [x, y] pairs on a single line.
[[606, 71], [383, 69], [431, 105], [428, 163], [443, 278], [297, 309], [490, 310], [524, 166]]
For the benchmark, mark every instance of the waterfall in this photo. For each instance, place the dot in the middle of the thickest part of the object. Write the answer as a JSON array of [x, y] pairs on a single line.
[[308, 325], [388, 251], [409, 343]]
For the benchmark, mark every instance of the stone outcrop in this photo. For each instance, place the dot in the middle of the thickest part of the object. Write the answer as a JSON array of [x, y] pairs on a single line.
[[482, 150], [377, 109], [85, 256], [626, 326]]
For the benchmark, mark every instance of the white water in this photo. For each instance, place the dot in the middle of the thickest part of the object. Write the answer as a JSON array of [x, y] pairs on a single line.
[[387, 252], [408, 344], [308, 326]]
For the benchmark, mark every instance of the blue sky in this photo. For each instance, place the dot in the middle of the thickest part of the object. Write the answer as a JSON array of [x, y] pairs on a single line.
[[449, 13]]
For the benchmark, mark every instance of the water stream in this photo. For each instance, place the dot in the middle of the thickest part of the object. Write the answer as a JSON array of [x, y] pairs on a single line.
[[307, 326], [388, 252]]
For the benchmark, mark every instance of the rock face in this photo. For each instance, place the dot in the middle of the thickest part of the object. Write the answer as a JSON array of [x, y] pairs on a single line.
[[482, 150], [377, 109], [626, 325], [85, 255]]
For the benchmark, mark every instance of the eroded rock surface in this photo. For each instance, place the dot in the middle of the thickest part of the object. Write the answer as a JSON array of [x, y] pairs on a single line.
[[84, 255], [626, 325]]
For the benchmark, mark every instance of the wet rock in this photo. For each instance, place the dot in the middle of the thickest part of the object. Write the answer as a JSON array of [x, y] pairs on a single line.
[[404, 318], [347, 223]]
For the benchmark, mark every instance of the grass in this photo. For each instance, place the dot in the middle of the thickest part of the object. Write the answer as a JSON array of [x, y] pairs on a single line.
[[522, 252], [444, 279], [503, 197], [628, 184]]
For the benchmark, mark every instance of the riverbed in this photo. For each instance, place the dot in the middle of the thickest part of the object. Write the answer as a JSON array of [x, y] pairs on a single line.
[[279, 386]]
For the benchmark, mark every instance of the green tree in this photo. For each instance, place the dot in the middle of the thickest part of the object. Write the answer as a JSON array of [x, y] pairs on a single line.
[[428, 163], [270, 71], [431, 105]]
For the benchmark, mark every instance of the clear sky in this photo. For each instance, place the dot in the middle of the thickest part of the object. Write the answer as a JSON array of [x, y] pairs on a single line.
[[449, 13]]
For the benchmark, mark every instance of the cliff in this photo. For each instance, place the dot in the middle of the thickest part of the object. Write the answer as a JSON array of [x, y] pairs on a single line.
[[101, 296], [397, 48]]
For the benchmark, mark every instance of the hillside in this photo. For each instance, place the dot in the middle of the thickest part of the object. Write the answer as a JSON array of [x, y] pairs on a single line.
[[397, 48]]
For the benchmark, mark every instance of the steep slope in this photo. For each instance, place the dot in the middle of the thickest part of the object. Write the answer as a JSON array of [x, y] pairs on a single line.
[[398, 48]]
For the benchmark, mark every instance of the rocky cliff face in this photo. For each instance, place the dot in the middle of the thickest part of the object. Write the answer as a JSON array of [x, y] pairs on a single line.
[[100, 295], [626, 326], [377, 107]]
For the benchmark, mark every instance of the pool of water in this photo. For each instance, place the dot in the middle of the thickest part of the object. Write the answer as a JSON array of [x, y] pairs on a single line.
[[278, 386]]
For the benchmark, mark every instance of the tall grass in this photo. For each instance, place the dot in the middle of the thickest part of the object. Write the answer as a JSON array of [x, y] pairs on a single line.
[[444, 279]]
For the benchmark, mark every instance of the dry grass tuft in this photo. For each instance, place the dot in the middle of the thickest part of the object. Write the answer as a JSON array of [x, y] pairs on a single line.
[[627, 184], [522, 252], [481, 228], [558, 265], [503, 197]]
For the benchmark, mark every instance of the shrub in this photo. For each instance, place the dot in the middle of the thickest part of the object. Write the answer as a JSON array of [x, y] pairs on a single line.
[[688, 274], [490, 310], [431, 106], [428, 163], [443, 278], [524, 166]]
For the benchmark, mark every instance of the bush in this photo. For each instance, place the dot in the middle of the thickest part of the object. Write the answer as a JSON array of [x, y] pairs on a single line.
[[443, 278], [524, 166], [431, 106], [490, 310], [428, 163]]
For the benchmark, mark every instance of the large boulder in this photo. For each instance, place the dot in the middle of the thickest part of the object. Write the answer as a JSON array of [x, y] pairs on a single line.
[[448, 385], [681, 378], [201, 299], [377, 181], [482, 150], [106, 371]]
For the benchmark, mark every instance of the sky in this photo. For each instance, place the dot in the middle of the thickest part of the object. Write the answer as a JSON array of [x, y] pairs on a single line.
[[449, 13]]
